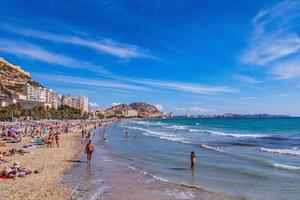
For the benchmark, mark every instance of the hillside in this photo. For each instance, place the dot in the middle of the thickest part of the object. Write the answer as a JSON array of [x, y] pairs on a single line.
[[118, 109], [146, 110], [13, 78], [143, 110]]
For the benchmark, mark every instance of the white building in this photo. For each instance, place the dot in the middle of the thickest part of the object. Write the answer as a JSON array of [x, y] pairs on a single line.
[[75, 102], [131, 113], [59, 100], [30, 92], [66, 100], [41, 94], [84, 104]]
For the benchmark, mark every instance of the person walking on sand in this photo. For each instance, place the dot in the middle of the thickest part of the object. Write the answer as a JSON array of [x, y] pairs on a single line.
[[88, 136], [57, 139], [83, 136], [89, 149], [51, 137], [193, 160]]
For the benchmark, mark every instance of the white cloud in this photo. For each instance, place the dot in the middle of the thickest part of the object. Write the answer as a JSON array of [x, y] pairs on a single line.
[[285, 94], [94, 104], [287, 69], [71, 80], [115, 104], [196, 110], [271, 47], [274, 39], [185, 87], [246, 79], [159, 107], [103, 45], [28, 50], [247, 98], [134, 84]]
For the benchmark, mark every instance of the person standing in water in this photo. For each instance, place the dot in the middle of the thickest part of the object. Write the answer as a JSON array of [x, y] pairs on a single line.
[[193, 160], [104, 138], [176, 129], [126, 134], [89, 149]]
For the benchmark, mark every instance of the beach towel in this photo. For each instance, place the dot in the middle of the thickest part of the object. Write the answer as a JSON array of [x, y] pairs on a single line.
[[4, 177], [39, 141]]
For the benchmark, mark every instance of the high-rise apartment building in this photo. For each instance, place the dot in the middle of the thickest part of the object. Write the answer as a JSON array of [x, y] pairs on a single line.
[[84, 104]]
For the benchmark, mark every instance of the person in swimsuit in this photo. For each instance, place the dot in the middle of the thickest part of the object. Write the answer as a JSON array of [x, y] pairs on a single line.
[[193, 160], [57, 139], [83, 136], [51, 137], [88, 136], [89, 149]]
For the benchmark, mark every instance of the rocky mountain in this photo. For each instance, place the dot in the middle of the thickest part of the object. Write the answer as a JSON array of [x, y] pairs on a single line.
[[13, 78], [146, 110], [118, 110], [142, 110]]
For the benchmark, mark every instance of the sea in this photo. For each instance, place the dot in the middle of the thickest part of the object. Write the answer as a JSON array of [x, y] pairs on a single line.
[[251, 158]]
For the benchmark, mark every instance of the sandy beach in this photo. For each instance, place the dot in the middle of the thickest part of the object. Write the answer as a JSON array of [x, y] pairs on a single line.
[[49, 162]]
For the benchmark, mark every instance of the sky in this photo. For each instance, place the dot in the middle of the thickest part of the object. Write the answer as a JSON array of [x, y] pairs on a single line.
[[198, 57]]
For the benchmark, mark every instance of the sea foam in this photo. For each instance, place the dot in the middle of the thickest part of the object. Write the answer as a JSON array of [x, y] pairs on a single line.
[[286, 167], [292, 151], [180, 194], [235, 135], [160, 135], [213, 148]]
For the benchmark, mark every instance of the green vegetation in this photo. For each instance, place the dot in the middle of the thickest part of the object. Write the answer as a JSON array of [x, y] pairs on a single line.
[[34, 83], [63, 112]]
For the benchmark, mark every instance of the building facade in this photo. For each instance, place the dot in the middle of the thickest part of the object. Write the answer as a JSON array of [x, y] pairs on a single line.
[[30, 92], [84, 104]]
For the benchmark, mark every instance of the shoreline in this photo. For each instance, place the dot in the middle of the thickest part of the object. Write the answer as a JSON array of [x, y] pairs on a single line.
[[108, 178]]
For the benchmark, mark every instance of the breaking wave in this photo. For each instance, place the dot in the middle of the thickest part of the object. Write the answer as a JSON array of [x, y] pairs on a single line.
[[286, 167], [236, 135], [213, 148], [293, 151], [160, 135]]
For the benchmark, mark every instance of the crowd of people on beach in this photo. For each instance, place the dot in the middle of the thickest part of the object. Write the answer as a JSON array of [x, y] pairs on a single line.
[[45, 134], [40, 134]]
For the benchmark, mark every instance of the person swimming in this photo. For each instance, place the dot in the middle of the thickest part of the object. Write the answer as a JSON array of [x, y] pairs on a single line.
[[193, 160]]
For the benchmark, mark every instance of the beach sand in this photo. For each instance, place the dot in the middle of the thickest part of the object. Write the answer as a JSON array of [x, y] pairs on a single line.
[[50, 162]]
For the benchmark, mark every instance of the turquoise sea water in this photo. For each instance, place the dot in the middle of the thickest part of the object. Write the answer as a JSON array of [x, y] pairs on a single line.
[[255, 158]]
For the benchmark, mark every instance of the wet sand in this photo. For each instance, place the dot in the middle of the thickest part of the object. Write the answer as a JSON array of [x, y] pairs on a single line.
[[106, 178]]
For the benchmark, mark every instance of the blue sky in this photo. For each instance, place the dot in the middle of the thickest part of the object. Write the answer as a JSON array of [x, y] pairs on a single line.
[[206, 56]]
